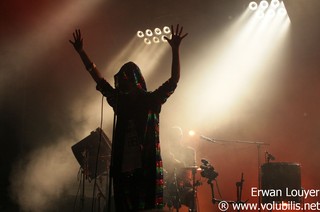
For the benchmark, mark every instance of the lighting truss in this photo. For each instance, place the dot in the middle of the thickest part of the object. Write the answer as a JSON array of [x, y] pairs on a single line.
[[271, 8], [154, 36]]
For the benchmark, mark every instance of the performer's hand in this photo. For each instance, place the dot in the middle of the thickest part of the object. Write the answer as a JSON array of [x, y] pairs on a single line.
[[78, 41], [176, 37]]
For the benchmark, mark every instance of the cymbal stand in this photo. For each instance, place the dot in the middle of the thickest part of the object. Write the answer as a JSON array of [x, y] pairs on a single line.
[[194, 191], [177, 203], [239, 190], [212, 192], [194, 184]]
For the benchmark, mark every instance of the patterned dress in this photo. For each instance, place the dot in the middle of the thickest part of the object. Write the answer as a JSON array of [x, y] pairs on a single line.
[[136, 168]]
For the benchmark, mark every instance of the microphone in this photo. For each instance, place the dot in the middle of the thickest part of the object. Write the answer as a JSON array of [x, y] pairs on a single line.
[[269, 156], [207, 138]]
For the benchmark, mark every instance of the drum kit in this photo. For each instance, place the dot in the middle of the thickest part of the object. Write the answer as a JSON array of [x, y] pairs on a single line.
[[181, 187]]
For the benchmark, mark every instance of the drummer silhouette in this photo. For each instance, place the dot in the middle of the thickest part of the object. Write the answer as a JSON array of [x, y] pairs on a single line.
[[177, 153]]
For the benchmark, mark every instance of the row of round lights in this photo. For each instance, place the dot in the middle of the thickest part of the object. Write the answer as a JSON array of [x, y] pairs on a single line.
[[266, 9], [154, 36]]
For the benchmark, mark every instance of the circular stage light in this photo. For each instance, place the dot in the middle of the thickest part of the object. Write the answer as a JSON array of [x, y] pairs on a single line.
[[253, 6], [156, 39], [157, 31], [140, 34], [264, 5], [149, 32], [166, 29], [147, 41]]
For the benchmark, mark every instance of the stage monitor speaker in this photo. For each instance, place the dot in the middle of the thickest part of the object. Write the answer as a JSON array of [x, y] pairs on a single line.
[[280, 176], [86, 152]]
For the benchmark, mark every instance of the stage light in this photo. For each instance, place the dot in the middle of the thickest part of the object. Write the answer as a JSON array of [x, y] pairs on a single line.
[[149, 32], [166, 30], [263, 5], [147, 41], [191, 133], [268, 9], [140, 34], [275, 3], [163, 39], [270, 13], [156, 39], [256, 42], [259, 14], [154, 36], [282, 10], [157, 31], [253, 6]]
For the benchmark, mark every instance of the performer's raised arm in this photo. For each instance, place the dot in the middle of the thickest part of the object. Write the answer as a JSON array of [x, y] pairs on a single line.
[[174, 42], [90, 66]]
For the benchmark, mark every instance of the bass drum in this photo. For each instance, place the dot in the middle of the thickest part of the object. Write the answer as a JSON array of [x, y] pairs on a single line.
[[178, 189]]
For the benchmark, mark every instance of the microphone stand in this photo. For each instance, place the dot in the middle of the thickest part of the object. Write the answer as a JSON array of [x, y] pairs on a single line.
[[194, 192], [239, 190], [111, 167], [258, 143], [84, 174], [112, 152], [194, 171], [177, 203]]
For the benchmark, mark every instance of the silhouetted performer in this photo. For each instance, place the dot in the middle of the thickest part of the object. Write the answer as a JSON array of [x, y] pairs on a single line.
[[136, 161]]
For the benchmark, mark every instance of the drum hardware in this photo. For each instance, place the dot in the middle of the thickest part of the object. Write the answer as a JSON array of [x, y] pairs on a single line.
[[177, 202], [258, 143], [193, 207], [207, 171], [182, 189], [239, 186]]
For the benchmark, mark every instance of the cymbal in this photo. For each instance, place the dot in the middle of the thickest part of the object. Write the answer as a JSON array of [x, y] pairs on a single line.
[[191, 168]]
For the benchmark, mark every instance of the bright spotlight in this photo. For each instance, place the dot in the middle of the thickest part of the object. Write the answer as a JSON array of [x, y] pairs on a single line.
[[163, 39], [154, 36], [156, 39], [270, 13], [191, 133], [149, 32], [275, 3], [281, 10], [140, 34], [259, 14], [264, 5], [147, 41], [253, 6], [157, 31], [166, 29]]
